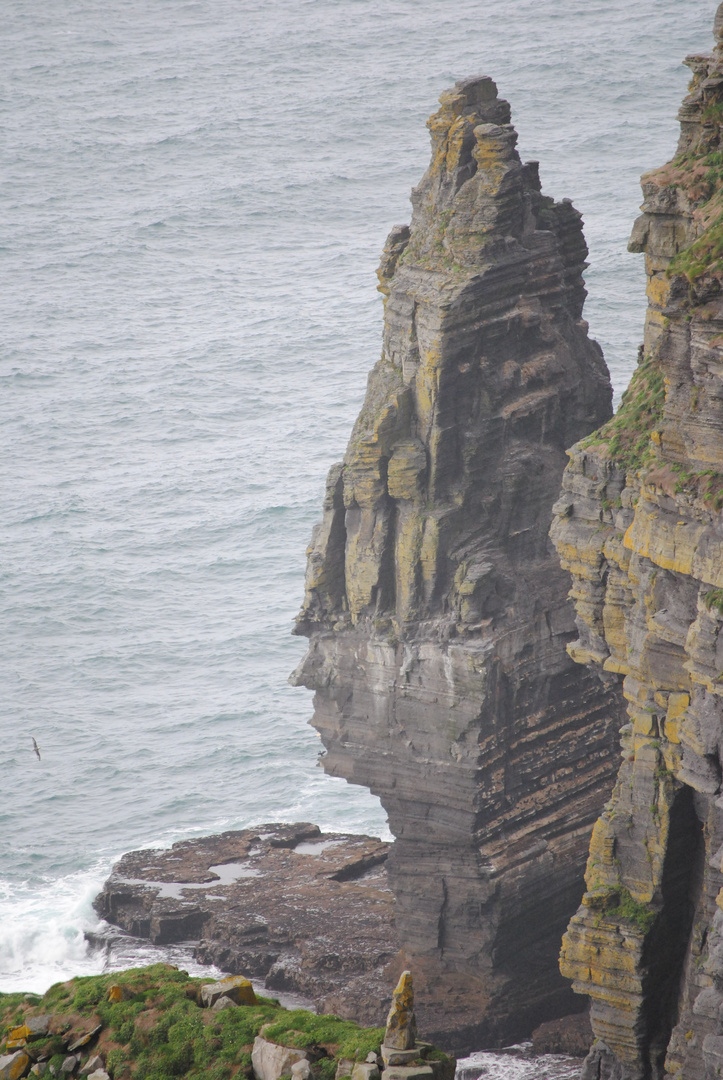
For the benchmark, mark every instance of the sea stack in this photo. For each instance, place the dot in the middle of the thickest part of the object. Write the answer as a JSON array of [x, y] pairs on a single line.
[[640, 527], [435, 607]]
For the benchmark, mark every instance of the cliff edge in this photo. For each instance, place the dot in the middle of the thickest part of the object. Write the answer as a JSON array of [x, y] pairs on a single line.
[[435, 607], [639, 525]]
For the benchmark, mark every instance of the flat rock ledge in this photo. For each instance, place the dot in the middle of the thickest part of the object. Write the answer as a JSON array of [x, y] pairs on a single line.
[[306, 912]]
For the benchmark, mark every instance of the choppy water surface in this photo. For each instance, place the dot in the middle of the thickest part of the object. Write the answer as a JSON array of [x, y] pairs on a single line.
[[195, 195]]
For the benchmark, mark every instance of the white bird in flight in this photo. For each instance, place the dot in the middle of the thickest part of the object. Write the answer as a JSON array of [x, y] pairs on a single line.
[[36, 748]]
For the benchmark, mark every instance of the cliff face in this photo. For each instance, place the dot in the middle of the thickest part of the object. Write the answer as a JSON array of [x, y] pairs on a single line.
[[639, 526], [435, 606]]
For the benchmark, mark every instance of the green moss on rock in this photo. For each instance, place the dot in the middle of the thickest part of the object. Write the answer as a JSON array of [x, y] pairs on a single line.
[[642, 915], [714, 599], [306, 1030]]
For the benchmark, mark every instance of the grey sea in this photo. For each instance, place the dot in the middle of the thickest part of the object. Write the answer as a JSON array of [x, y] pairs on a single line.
[[195, 194]]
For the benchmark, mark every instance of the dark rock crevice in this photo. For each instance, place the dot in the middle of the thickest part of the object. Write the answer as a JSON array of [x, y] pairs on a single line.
[[666, 947]]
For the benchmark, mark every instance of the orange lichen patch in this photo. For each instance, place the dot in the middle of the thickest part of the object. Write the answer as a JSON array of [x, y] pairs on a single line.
[[16, 1069], [22, 1032]]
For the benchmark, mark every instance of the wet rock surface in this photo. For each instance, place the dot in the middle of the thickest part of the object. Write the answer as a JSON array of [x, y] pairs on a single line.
[[436, 609], [303, 911], [639, 525]]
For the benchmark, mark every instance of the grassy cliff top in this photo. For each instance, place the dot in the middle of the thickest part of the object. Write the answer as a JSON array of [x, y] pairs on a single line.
[[159, 1029]]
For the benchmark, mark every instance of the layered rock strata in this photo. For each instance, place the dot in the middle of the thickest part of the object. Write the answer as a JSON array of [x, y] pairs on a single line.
[[639, 525], [306, 912], [435, 607]]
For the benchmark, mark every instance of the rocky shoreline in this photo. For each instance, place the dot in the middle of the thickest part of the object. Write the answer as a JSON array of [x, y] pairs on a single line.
[[303, 911]]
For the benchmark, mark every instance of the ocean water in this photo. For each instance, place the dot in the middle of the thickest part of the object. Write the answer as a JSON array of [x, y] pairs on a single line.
[[195, 194]]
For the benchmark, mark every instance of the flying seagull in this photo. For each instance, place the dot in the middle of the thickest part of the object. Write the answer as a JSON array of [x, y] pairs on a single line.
[[36, 748]]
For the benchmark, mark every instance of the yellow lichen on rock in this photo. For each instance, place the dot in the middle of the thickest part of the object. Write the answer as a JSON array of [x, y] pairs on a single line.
[[639, 527], [16, 1067], [401, 1031]]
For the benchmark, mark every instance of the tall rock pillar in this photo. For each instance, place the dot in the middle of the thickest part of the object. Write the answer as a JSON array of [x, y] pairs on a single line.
[[435, 607]]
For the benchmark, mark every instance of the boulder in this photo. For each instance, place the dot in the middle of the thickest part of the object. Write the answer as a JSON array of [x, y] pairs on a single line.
[[223, 1002], [38, 1025], [365, 1071], [408, 1072], [390, 1056], [99, 1074], [70, 1065], [570, 1035], [301, 1070], [238, 989], [18, 1037], [92, 1065], [401, 1033], [271, 1061], [13, 1066], [84, 1039]]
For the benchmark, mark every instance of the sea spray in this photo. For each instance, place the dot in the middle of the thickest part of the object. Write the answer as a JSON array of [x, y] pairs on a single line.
[[42, 930]]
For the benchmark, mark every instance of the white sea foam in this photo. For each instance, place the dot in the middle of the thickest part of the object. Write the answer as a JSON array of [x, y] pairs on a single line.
[[42, 928], [517, 1063], [49, 933]]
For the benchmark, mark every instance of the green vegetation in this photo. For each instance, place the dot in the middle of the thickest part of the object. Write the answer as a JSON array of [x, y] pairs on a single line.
[[714, 599], [612, 904], [706, 485], [713, 114], [304, 1029], [159, 1030], [641, 915], [627, 435], [705, 254]]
